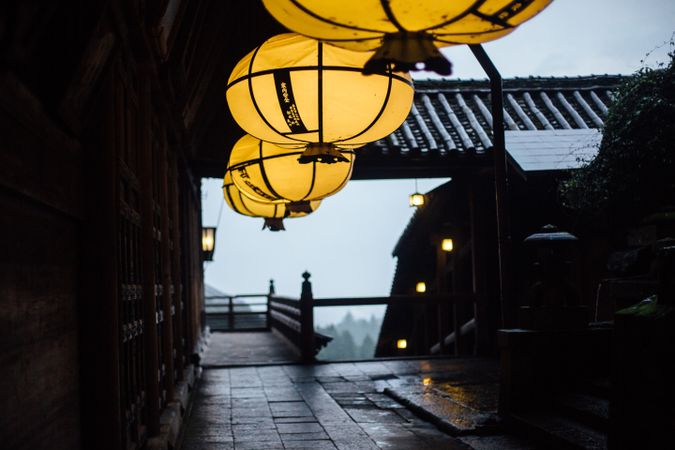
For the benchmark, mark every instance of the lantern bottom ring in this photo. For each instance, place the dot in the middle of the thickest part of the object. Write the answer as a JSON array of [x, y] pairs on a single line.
[[274, 224], [404, 50], [323, 153]]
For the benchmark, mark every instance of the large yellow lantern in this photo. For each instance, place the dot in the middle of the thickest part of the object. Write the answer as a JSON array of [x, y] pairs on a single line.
[[272, 213], [293, 90], [404, 32], [268, 173]]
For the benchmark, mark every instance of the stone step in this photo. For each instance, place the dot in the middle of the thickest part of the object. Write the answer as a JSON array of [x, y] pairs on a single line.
[[587, 409], [554, 432]]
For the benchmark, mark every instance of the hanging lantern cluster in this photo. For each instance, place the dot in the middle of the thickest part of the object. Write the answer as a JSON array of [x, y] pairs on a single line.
[[404, 32], [305, 106], [307, 100]]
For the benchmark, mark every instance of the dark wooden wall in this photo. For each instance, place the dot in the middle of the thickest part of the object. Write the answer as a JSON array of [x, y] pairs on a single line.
[[101, 282]]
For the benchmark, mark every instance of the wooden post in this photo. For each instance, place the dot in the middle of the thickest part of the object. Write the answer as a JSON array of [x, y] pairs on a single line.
[[306, 320], [268, 314], [442, 288], [501, 186], [230, 311]]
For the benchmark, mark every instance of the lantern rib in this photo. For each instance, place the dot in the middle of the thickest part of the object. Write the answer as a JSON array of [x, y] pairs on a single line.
[[312, 183], [378, 115], [386, 7], [540, 116], [586, 107], [251, 93], [263, 173], [523, 116], [556, 112], [349, 176], [303, 68], [598, 101], [264, 158], [320, 87], [328, 21], [572, 112], [457, 18]]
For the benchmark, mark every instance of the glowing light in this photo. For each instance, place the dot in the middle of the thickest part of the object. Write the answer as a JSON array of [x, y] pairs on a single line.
[[421, 287], [402, 344], [426, 381], [447, 245], [416, 199]]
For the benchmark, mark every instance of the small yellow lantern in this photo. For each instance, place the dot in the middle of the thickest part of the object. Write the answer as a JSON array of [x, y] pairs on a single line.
[[293, 90], [447, 245], [404, 32], [421, 287], [402, 344], [416, 199], [269, 173], [271, 212]]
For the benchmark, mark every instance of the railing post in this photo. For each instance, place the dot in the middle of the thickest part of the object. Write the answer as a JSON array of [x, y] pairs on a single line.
[[306, 320], [268, 314], [230, 315]]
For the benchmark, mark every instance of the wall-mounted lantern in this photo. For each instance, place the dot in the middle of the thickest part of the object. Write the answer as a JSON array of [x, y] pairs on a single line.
[[402, 344], [447, 245], [421, 287], [208, 242]]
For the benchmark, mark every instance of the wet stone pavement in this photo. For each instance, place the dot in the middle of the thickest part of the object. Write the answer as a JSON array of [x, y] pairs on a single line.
[[346, 406]]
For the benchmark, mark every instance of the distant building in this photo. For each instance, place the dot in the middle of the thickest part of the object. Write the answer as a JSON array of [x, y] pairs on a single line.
[[552, 125]]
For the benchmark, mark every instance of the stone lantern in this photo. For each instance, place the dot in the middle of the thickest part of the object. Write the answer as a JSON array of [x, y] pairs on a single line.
[[553, 299]]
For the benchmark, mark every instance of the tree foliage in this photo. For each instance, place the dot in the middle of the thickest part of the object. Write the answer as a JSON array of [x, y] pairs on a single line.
[[634, 172]]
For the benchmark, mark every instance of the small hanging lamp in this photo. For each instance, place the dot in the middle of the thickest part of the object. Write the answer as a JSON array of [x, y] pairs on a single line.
[[404, 32], [269, 173], [416, 199], [293, 90], [271, 212]]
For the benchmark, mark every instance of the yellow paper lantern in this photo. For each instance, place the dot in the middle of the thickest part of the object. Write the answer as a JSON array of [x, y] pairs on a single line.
[[293, 90], [404, 32], [272, 213], [269, 173]]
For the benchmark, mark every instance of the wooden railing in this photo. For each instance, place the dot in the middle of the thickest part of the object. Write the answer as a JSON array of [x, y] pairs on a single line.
[[293, 318], [225, 313]]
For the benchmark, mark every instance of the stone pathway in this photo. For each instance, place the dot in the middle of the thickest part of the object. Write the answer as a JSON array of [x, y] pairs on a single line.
[[325, 406], [247, 348]]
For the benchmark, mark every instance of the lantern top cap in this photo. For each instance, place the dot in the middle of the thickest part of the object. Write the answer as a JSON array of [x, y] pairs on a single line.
[[551, 233]]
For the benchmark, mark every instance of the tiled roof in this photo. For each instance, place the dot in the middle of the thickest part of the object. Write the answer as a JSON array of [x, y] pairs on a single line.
[[453, 116]]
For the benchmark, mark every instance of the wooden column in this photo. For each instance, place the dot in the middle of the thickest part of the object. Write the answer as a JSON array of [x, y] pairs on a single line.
[[167, 344], [147, 261], [179, 336], [99, 307]]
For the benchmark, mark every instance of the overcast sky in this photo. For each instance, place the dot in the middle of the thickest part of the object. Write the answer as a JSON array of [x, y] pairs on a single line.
[[347, 243]]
